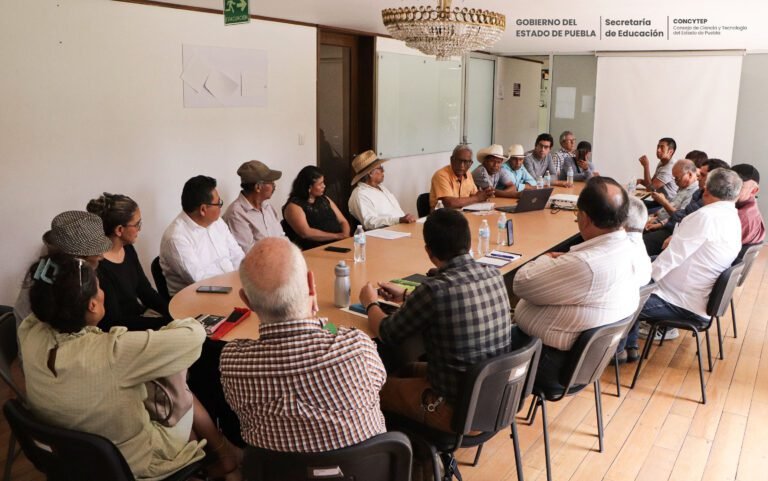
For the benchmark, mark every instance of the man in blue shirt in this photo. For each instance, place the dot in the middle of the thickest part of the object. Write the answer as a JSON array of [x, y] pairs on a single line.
[[514, 166]]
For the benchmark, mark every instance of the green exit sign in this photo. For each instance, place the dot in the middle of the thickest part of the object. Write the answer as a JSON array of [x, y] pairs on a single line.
[[236, 11]]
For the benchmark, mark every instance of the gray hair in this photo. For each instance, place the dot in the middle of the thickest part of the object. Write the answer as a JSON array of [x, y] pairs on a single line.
[[563, 135], [687, 165], [459, 148], [638, 215], [724, 184], [286, 298]]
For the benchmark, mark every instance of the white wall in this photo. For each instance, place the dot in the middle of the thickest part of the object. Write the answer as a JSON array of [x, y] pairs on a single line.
[[517, 118], [92, 101]]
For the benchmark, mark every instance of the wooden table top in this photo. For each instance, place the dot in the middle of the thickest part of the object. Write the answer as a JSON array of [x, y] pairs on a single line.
[[535, 233]]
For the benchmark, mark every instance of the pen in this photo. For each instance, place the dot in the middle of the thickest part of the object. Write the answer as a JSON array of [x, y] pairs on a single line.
[[505, 255]]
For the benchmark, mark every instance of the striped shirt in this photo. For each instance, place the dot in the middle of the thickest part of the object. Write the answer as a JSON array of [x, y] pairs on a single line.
[[300, 388], [462, 314], [592, 285]]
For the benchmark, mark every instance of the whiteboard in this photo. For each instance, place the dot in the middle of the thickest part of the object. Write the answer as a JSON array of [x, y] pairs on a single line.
[[418, 105]]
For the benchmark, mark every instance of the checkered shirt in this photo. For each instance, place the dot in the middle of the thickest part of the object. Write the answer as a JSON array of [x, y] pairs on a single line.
[[559, 158], [463, 316], [300, 388]]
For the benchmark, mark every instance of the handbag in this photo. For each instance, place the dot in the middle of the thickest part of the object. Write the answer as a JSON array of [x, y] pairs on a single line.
[[168, 398]]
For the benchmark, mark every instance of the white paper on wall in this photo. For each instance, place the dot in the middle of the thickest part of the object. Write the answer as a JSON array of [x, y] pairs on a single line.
[[565, 104]]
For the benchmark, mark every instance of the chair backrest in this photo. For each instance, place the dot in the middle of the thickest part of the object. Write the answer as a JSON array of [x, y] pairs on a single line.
[[748, 255], [9, 350], [159, 277], [422, 204], [386, 457], [495, 389], [722, 291], [63, 454], [592, 351]]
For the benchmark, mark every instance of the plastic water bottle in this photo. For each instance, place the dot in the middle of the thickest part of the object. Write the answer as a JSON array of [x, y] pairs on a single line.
[[484, 239], [547, 180], [569, 180], [341, 287], [540, 182], [359, 244], [501, 230], [632, 187], [439, 204]]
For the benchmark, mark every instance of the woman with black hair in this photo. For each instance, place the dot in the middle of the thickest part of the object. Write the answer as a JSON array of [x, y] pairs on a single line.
[[80, 377], [581, 165], [311, 218], [127, 291]]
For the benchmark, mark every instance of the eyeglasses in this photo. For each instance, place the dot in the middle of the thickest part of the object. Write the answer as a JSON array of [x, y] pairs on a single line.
[[218, 204], [136, 225]]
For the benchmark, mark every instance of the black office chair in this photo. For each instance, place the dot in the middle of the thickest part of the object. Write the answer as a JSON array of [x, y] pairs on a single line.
[[67, 455], [493, 392], [9, 350], [386, 457], [719, 299], [422, 204], [589, 357], [748, 255], [645, 293], [159, 277]]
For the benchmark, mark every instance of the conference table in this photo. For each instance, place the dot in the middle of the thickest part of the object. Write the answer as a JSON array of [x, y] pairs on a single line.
[[535, 233]]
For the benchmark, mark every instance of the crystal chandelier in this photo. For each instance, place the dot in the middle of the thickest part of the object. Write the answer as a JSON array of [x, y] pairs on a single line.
[[442, 31]]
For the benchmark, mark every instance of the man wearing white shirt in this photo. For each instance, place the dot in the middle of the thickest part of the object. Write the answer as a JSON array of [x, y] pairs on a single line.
[[371, 203], [198, 244], [704, 244]]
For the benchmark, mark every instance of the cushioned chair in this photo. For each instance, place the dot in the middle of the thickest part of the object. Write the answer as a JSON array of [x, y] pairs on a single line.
[[493, 392], [719, 300], [422, 204], [386, 457], [67, 455], [9, 350], [588, 358], [748, 255], [159, 277], [645, 293]]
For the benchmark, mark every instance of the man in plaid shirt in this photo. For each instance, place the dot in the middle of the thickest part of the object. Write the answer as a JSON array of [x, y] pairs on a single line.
[[299, 387], [462, 314]]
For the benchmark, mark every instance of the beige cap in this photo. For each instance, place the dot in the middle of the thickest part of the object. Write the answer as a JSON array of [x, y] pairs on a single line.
[[253, 172], [516, 150], [364, 163]]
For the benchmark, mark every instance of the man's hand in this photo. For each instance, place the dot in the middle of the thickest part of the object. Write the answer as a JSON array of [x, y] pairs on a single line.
[[482, 195], [408, 219], [554, 255], [652, 225], [368, 294], [644, 161], [666, 243], [391, 291], [659, 197]]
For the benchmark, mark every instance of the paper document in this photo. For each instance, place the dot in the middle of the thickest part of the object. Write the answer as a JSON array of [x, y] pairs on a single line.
[[493, 261], [387, 234], [480, 207]]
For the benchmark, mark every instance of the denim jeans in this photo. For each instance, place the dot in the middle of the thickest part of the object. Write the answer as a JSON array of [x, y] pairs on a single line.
[[657, 309]]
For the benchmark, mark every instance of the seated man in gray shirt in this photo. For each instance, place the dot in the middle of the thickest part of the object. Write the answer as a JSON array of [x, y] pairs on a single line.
[[661, 180], [490, 173], [684, 172]]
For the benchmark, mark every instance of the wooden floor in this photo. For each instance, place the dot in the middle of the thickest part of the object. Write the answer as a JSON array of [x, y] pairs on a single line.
[[657, 431]]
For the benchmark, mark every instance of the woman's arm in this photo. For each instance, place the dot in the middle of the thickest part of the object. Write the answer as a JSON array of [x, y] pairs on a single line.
[[297, 219], [340, 218]]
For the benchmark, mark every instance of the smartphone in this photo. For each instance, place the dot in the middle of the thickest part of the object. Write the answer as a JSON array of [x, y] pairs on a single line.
[[210, 322], [338, 249], [510, 233], [238, 314], [215, 289]]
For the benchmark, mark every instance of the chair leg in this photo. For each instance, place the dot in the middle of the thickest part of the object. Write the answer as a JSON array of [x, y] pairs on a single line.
[[546, 438], [663, 335], [644, 355], [709, 349], [477, 455], [719, 338], [516, 446], [701, 368], [733, 316], [618, 380], [436, 462], [649, 341], [599, 411], [9, 458], [531, 416]]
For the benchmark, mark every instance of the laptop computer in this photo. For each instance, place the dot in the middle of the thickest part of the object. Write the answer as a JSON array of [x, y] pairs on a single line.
[[529, 200]]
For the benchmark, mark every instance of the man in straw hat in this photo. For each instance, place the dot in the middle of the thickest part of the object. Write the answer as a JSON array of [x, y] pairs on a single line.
[[514, 166], [453, 186], [371, 203], [490, 173], [75, 233], [250, 218]]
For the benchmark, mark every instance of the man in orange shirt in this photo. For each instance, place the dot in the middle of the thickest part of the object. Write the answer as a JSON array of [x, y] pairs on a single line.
[[453, 186]]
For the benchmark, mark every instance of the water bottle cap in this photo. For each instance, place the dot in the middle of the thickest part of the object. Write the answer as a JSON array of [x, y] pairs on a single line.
[[342, 269]]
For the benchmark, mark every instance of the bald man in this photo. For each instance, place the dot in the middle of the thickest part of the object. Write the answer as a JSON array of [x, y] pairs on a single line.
[[299, 387]]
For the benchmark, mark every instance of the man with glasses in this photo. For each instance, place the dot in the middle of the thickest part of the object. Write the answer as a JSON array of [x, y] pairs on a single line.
[[198, 244], [539, 161], [567, 151], [685, 174], [372, 204], [250, 217], [453, 186]]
